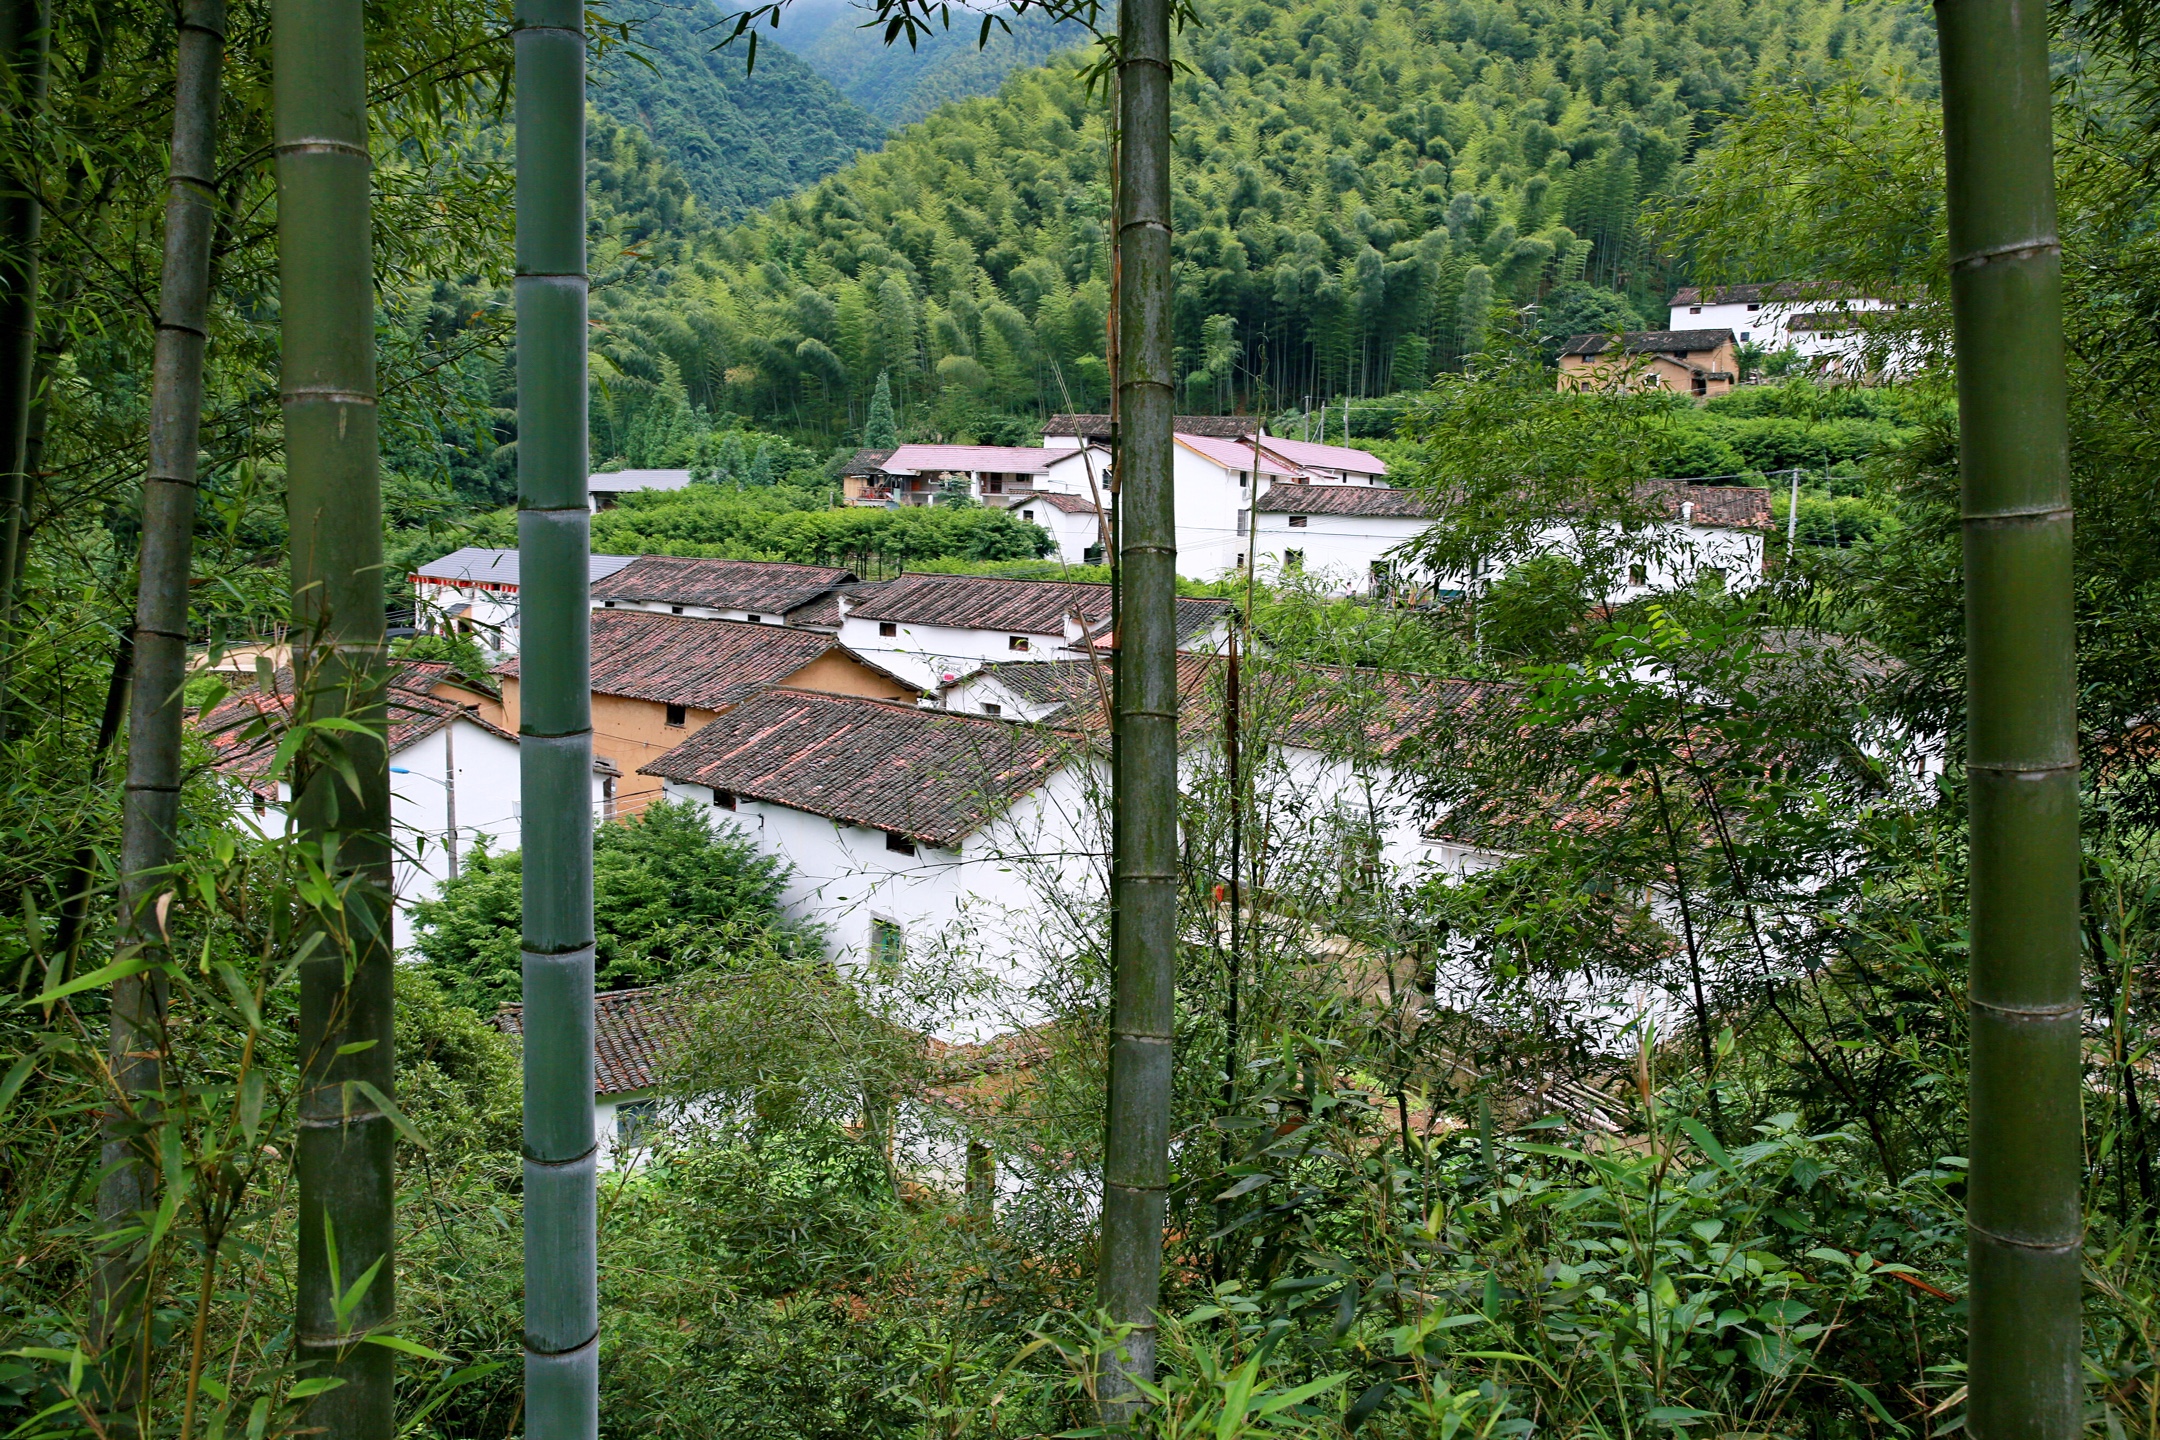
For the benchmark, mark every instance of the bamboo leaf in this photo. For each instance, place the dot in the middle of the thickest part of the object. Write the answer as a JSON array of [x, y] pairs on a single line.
[[407, 1347], [103, 975], [17, 1073], [390, 1112]]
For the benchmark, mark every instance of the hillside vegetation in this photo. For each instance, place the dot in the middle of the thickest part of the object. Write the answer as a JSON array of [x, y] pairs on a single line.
[[1356, 188], [739, 139]]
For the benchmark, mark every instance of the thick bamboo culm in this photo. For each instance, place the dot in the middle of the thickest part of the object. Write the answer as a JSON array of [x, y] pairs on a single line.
[[2022, 1208], [1144, 887], [326, 298], [562, 1313], [151, 799], [25, 35]]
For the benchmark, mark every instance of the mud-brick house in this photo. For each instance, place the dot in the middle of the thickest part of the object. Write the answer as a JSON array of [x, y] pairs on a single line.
[[659, 679]]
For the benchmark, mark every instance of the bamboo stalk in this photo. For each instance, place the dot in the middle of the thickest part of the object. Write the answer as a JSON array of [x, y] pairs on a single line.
[[562, 1316], [25, 48], [333, 494], [2022, 1207], [1136, 1142], [151, 800]]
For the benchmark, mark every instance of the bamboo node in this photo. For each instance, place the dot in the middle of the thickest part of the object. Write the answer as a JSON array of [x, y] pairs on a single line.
[[2015, 250], [319, 145]]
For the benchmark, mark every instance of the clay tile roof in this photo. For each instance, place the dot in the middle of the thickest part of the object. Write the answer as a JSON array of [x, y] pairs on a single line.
[[982, 602], [244, 729], [633, 1030], [1070, 504], [865, 462], [678, 660], [1331, 705], [1649, 342], [926, 774], [1737, 507], [1219, 427], [1195, 617], [767, 587], [1344, 500]]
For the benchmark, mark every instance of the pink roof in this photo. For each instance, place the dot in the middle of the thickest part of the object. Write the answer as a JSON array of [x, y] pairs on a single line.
[[1230, 454], [1331, 457], [1005, 459]]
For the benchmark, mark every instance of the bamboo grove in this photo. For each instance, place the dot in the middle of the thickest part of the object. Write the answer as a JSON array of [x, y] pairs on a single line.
[[1257, 1182]]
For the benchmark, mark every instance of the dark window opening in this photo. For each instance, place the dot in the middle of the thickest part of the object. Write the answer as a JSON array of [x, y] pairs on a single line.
[[989, 709], [887, 627], [1297, 522], [993, 484], [1016, 642], [757, 619], [1638, 574], [1293, 559], [674, 609], [633, 1119], [723, 799], [677, 715], [888, 944], [608, 604], [1092, 555], [1027, 514], [899, 844]]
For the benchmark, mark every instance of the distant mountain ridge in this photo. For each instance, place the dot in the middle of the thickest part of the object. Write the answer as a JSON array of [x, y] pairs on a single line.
[[900, 84], [740, 140]]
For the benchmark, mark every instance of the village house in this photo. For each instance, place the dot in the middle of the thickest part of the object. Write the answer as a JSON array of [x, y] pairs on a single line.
[[1331, 734], [760, 591], [659, 679], [1820, 322], [1349, 537], [634, 1035], [474, 591], [1351, 540], [604, 490], [908, 831], [1075, 523], [453, 774], [927, 474], [1698, 362], [932, 628], [1328, 464]]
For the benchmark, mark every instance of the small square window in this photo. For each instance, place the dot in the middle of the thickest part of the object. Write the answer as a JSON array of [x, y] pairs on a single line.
[[1093, 555], [993, 485], [757, 619], [989, 709], [723, 799], [1638, 575], [1297, 522], [674, 609], [607, 604], [888, 943], [634, 1120], [899, 844], [1016, 642], [1694, 309], [887, 627], [1754, 307], [1293, 560], [677, 715], [1027, 514]]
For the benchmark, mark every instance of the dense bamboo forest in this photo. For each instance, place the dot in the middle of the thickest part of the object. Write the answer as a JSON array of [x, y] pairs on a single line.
[[1540, 998]]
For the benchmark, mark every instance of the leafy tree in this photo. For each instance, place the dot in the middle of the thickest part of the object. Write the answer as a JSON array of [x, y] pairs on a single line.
[[881, 431], [671, 894], [1586, 310]]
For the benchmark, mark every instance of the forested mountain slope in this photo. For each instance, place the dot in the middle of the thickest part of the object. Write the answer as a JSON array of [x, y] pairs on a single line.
[[901, 85], [739, 139], [1355, 186]]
